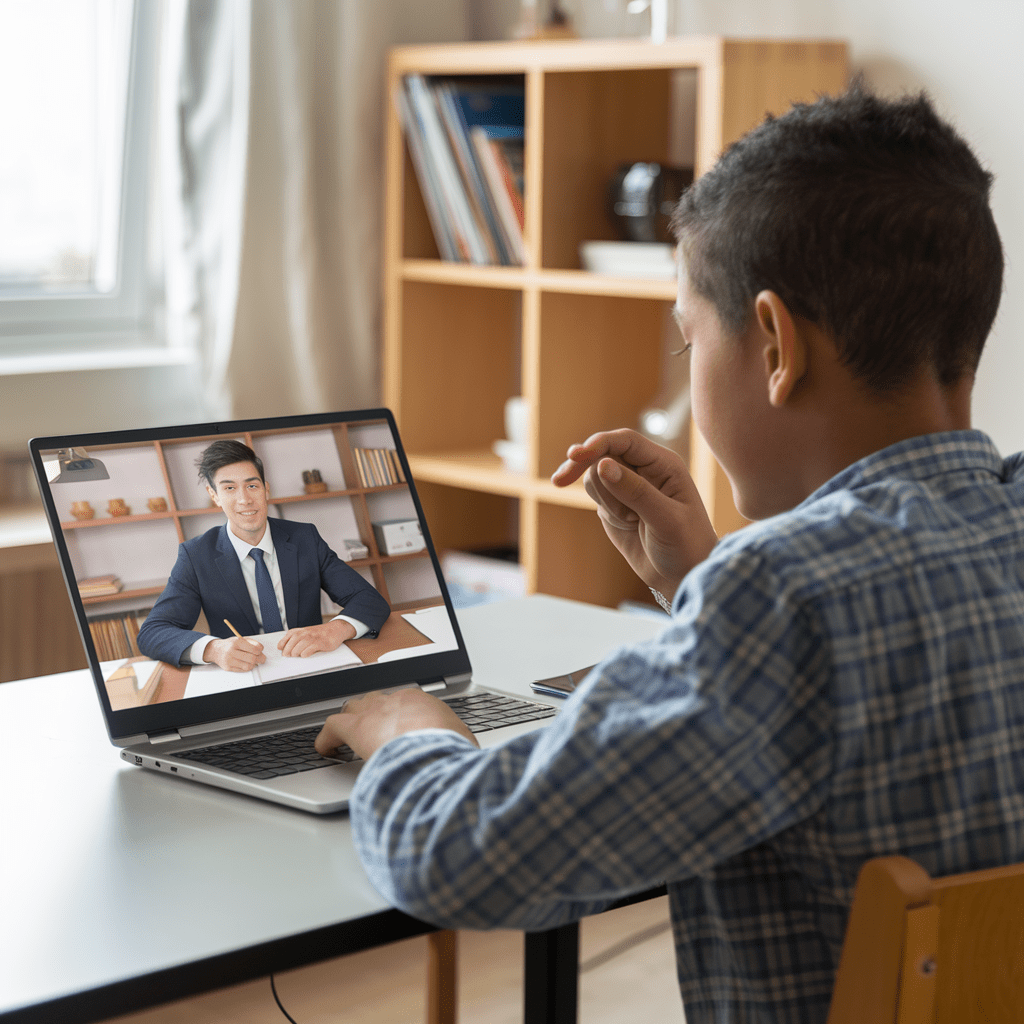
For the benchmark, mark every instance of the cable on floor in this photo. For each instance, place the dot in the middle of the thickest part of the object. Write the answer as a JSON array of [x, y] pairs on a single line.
[[624, 945], [620, 947], [273, 988]]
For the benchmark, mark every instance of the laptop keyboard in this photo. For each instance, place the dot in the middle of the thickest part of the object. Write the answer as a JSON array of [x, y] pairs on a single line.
[[285, 753]]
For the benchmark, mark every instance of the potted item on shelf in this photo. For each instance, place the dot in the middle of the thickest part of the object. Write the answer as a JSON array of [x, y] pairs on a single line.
[[82, 510], [117, 507], [157, 504], [312, 482]]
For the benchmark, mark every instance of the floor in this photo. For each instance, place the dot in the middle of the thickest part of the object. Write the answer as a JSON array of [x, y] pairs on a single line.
[[627, 974]]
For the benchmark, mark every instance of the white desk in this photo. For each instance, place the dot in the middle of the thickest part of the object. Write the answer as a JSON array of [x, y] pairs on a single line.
[[123, 888]]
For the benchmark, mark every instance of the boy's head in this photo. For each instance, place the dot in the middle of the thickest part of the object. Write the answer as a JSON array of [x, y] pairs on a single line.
[[870, 219]]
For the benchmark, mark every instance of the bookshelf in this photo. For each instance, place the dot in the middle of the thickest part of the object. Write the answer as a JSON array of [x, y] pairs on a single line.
[[585, 350]]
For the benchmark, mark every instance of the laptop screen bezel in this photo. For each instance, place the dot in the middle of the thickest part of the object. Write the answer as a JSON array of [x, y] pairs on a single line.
[[127, 724]]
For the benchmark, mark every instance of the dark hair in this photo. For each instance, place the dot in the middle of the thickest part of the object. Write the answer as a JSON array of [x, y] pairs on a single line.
[[225, 453], [868, 217]]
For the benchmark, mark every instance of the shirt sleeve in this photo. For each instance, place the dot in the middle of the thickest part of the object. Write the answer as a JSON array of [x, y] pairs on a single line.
[[670, 757]]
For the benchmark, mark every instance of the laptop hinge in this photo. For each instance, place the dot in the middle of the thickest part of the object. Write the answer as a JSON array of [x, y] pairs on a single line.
[[165, 737], [463, 677], [434, 687]]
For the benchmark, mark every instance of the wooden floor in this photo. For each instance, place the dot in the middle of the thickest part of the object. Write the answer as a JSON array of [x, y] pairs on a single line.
[[627, 974]]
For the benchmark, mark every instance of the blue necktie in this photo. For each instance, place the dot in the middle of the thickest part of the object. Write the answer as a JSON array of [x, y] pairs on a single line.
[[265, 592]]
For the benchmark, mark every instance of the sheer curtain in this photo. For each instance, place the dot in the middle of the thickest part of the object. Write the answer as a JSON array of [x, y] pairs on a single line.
[[271, 172]]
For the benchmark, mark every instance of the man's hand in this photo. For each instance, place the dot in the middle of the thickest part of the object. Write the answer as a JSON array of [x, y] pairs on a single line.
[[236, 654], [369, 722], [647, 502], [307, 640]]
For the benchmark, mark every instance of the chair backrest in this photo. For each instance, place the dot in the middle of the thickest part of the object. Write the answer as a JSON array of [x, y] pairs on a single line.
[[920, 950]]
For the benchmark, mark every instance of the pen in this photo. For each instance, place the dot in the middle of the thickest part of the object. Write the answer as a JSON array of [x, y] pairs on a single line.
[[233, 630]]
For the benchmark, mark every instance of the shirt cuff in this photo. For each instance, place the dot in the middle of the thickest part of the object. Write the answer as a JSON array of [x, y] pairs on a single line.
[[360, 627], [194, 654]]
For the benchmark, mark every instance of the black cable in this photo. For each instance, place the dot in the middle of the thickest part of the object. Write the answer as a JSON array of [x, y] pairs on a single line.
[[273, 988], [623, 945]]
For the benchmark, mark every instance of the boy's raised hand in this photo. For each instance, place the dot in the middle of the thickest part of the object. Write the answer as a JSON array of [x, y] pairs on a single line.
[[647, 502]]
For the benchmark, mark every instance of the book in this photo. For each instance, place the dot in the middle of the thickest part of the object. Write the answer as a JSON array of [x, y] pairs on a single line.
[[467, 201], [430, 187], [378, 467], [509, 155], [207, 679], [511, 225], [496, 104], [353, 549], [115, 636], [454, 201], [97, 586], [472, 177]]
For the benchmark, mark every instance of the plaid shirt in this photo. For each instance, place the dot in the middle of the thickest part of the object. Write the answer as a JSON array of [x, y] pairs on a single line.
[[840, 682]]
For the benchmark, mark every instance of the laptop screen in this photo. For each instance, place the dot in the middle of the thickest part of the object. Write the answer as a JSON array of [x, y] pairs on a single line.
[[148, 561]]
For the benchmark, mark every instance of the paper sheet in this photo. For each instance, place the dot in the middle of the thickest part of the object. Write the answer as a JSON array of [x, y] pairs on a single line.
[[434, 624], [207, 679]]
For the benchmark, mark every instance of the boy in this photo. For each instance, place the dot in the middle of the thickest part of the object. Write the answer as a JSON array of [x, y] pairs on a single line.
[[842, 679]]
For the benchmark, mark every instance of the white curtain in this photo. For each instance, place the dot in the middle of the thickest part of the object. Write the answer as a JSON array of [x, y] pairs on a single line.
[[272, 172]]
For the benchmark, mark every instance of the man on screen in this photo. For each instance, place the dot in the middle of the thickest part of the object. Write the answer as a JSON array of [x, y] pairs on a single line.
[[256, 574]]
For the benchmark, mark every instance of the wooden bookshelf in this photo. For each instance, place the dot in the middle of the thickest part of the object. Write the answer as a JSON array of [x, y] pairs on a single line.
[[584, 349]]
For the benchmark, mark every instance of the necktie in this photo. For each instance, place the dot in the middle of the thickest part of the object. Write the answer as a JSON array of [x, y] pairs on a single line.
[[269, 612]]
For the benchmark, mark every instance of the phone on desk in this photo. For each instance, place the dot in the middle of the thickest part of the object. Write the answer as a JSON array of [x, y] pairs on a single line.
[[560, 686]]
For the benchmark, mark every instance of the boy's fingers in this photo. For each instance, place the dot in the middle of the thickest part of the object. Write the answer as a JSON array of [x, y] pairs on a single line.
[[631, 492]]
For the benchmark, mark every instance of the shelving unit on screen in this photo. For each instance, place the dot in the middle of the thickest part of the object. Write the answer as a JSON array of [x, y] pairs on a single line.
[[122, 561], [465, 330]]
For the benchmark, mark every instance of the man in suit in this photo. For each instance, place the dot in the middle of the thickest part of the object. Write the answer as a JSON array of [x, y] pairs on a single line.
[[259, 574]]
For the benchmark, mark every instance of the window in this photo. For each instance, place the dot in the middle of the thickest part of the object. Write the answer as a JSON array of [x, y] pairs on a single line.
[[76, 287]]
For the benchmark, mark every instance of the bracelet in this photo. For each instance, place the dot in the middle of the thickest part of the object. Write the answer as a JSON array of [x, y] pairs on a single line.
[[661, 599]]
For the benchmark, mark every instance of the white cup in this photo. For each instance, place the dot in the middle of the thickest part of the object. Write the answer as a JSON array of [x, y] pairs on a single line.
[[517, 419]]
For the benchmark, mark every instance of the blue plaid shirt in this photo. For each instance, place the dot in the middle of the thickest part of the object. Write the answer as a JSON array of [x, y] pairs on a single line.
[[840, 682]]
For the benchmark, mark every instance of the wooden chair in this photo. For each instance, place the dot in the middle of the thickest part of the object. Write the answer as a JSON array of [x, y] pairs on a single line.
[[937, 950]]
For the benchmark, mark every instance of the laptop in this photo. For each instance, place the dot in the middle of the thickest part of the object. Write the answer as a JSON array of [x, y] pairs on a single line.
[[123, 506]]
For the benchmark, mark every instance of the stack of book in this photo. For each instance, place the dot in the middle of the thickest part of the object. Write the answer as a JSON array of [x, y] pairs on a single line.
[[353, 549], [99, 586], [466, 141], [378, 467], [114, 636]]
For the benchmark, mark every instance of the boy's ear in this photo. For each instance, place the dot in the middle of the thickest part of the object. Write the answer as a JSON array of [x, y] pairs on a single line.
[[783, 344]]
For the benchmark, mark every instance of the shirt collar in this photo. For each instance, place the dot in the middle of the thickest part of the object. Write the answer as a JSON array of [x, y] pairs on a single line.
[[243, 547], [968, 452]]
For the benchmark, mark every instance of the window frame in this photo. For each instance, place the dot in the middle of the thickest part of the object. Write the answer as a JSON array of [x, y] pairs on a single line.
[[42, 333]]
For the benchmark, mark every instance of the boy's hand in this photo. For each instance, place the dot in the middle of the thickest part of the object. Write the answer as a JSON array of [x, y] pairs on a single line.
[[647, 502], [369, 722]]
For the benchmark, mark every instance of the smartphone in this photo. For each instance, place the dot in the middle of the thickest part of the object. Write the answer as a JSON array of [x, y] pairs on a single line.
[[560, 686]]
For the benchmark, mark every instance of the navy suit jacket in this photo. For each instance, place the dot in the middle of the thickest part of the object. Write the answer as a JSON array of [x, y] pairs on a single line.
[[207, 576]]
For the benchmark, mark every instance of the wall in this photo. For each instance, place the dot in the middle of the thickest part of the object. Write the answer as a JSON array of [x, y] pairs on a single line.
[[964, 55]]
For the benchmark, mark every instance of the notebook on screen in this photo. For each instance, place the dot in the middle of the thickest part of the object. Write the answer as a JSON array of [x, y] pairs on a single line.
[[155, 531]]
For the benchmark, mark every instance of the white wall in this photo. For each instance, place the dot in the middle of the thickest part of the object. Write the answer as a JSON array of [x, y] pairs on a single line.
[[965, 55]]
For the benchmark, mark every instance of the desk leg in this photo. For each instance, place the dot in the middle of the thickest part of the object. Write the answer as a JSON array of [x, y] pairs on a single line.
[[551, 975], [442, 952]]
